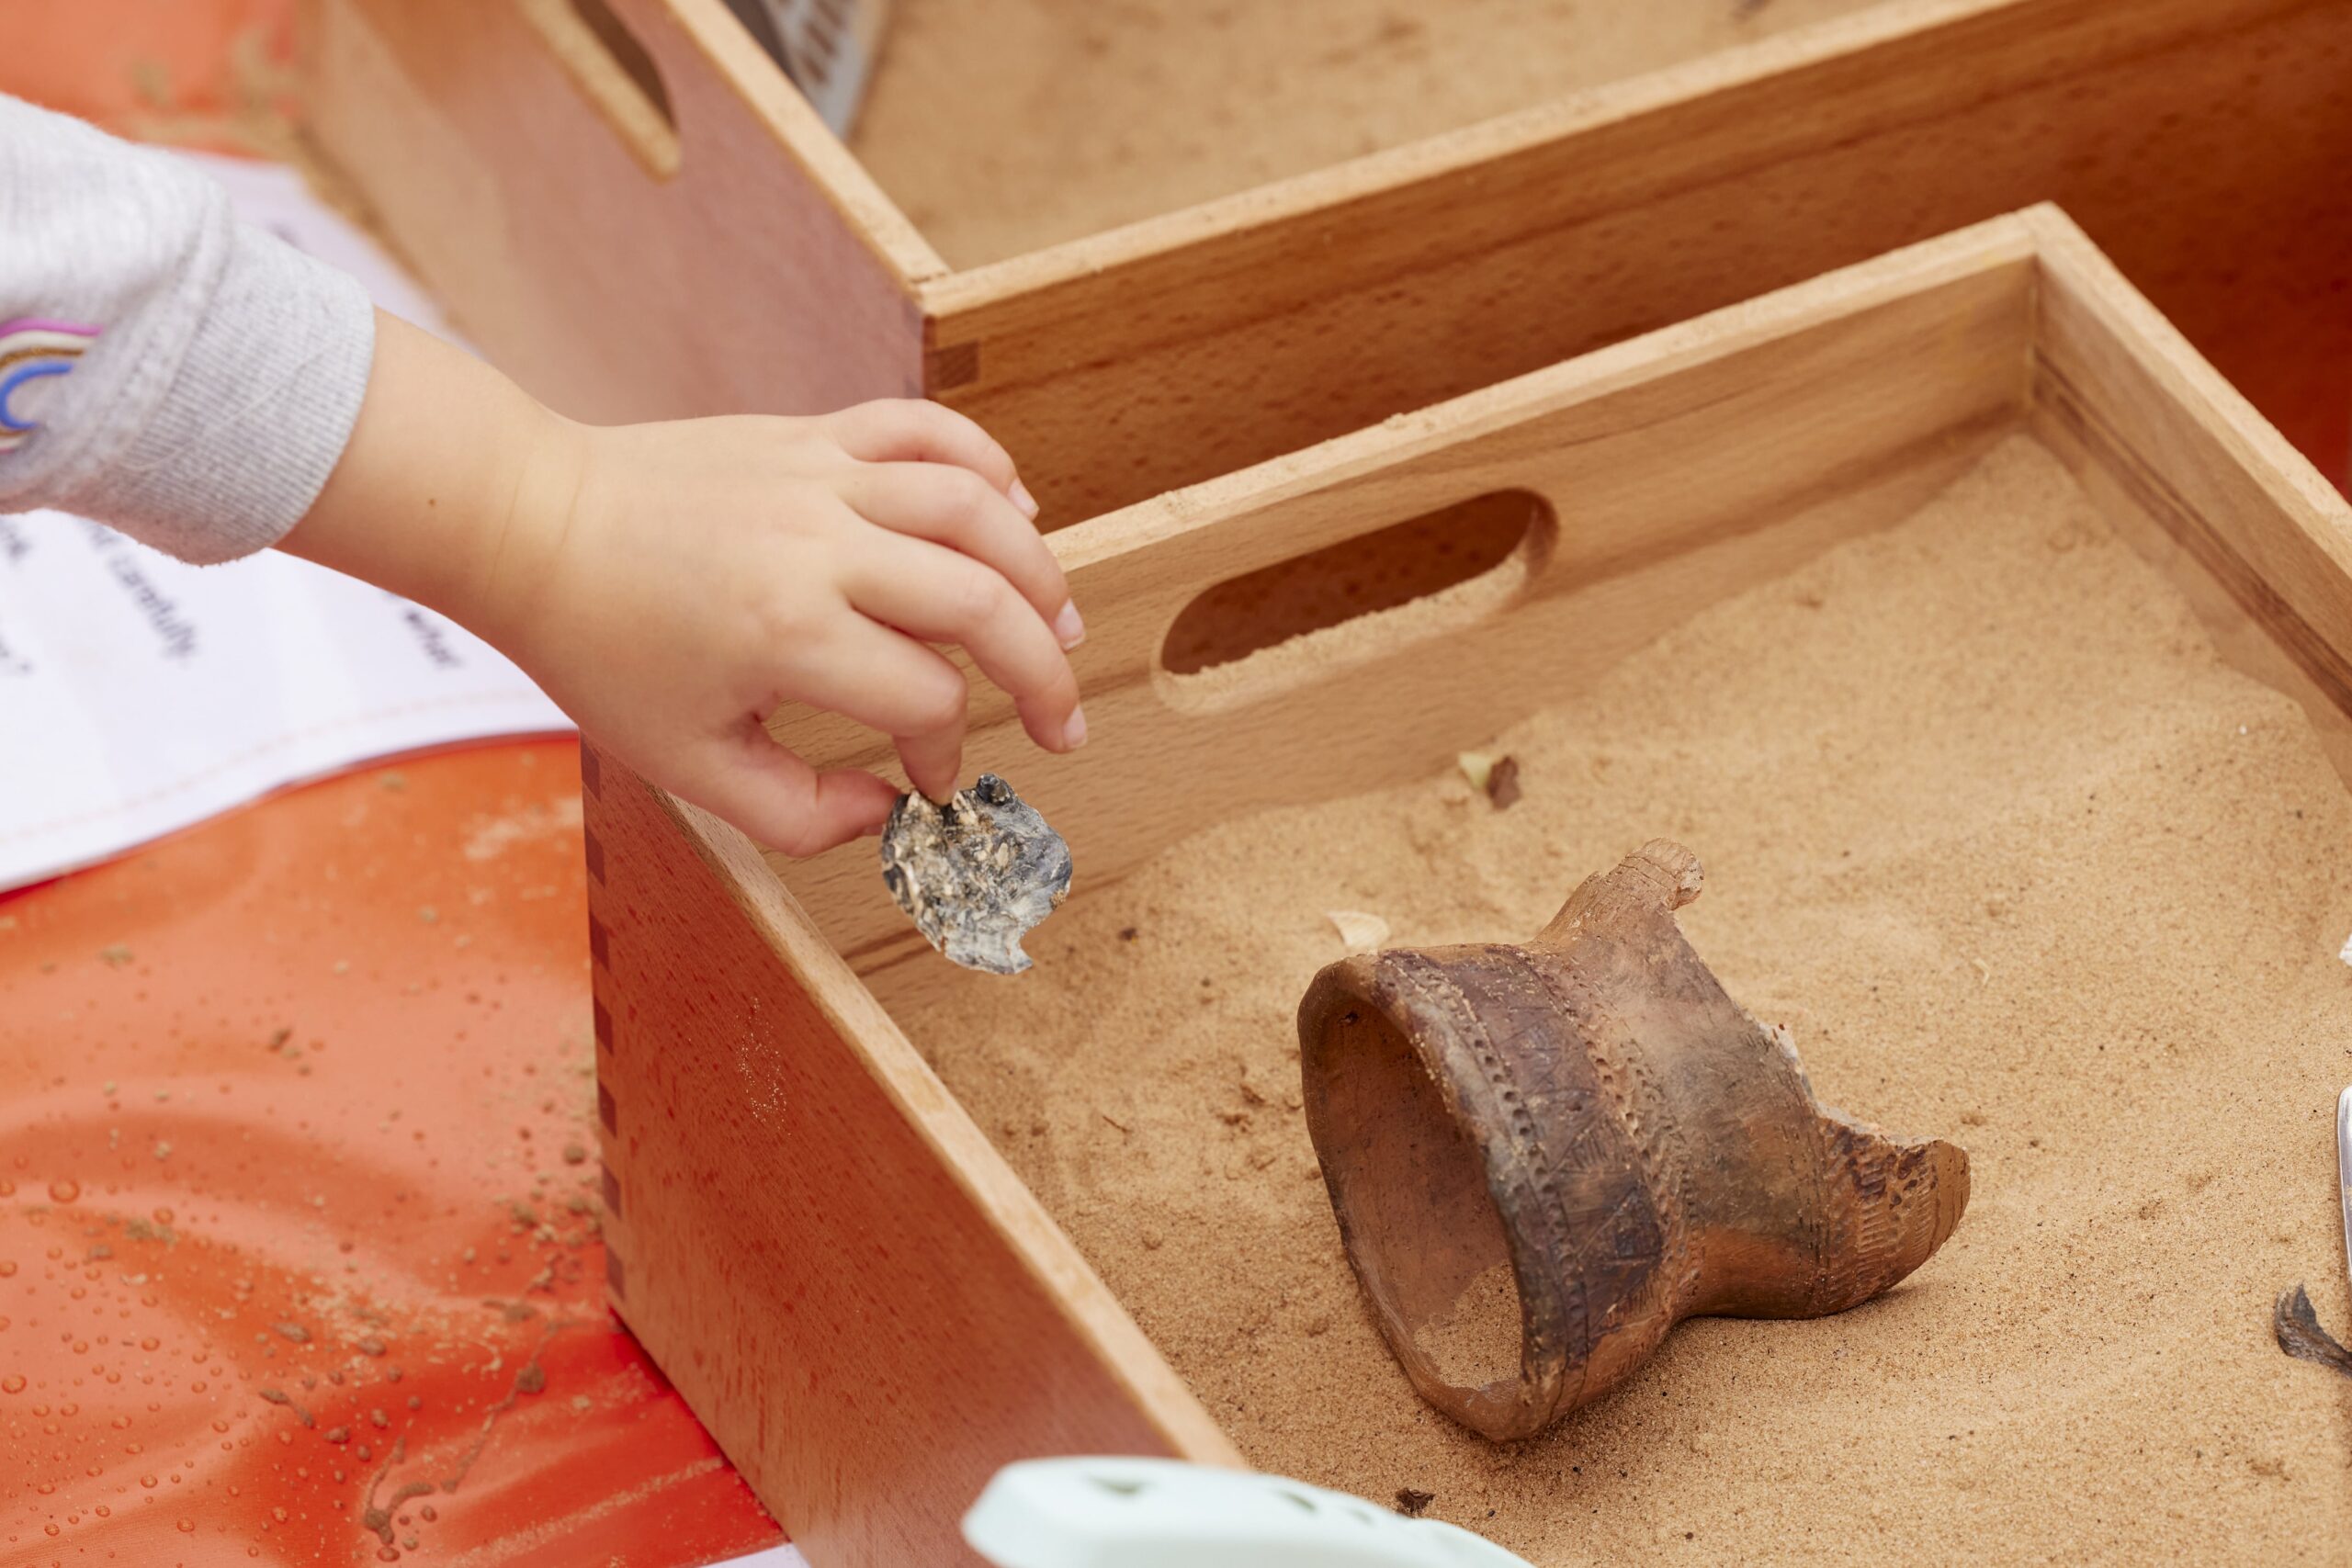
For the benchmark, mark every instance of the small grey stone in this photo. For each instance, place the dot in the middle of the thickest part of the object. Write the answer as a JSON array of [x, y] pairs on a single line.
[[977, 874]]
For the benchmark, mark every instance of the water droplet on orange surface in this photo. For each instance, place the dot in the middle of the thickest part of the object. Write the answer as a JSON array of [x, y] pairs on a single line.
[[102, 1510], [149, 1343], [64, 1191], [13, 1383], [69, 1410], [163, 1216], [49, 1530], [188, 1527], [146, 1480], [7, 1267]]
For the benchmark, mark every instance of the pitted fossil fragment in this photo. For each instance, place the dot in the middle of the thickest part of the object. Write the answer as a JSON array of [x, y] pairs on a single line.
[[977, 874], [1543, 1157]]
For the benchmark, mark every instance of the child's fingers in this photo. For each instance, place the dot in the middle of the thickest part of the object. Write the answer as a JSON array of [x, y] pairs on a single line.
[[955, 507], [784, 803], [938, 595], [909, 430], [889, 681]]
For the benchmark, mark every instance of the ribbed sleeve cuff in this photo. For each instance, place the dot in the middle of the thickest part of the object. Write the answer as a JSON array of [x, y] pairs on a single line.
[[257, 413]]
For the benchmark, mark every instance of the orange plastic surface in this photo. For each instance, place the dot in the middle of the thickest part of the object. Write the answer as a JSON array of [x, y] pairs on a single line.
[[299, 1256], [131, 64]]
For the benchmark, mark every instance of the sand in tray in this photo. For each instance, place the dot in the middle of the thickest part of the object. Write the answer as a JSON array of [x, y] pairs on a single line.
[[2017, 860], [1004, 127]]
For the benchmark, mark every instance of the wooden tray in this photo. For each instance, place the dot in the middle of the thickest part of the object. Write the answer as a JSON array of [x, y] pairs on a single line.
[[640, 218], [827, 1255]]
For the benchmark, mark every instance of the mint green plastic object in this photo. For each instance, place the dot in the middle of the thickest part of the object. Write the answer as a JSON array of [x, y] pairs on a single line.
[[1152, 1513]]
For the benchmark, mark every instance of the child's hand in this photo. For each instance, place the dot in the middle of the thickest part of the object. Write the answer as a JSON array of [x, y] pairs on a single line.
[[671, 584]]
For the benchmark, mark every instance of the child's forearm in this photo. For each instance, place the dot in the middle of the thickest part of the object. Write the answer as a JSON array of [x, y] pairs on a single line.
[[448, 490]]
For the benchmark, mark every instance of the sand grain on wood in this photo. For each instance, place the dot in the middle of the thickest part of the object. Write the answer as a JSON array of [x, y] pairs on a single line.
[[2019, 861]]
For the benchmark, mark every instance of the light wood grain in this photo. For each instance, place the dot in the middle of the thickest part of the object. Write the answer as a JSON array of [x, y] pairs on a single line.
[[507, 160], [1668, 464], [2199, 141], [2117, 388], [866, 1308]]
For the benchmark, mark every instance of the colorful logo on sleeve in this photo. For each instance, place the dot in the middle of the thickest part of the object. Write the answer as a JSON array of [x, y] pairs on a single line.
[[32, 349]]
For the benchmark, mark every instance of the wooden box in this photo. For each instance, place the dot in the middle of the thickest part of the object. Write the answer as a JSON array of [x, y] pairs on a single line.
[[826, 1254], [627, 205]]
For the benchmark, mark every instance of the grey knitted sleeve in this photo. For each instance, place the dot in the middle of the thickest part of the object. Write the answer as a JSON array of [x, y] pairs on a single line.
[[163, 368]]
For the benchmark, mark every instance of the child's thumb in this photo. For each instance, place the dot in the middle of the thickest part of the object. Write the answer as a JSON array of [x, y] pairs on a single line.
[[783, 802]]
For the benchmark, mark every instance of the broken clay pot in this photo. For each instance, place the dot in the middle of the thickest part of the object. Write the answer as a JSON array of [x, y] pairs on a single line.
[[1543, 1157]]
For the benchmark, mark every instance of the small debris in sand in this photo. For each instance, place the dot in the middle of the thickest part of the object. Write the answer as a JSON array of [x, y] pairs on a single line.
[[2344, 953], [1492, 774], [575, 1153], [1359, 931], [1412, 1502], [1502, 782], [2296, 1327], [296, 1332]]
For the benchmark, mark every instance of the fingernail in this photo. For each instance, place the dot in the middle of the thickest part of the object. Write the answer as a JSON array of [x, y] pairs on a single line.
[[1023, 500], [1074, 732], [1068, 627]]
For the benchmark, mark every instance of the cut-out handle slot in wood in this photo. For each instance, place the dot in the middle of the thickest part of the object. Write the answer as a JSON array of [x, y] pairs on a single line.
[[1355, 599], [1781, 428], [614, 71]]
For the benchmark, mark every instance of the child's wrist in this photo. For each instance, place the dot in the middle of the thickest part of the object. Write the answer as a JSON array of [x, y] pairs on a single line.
[[515, 531]]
